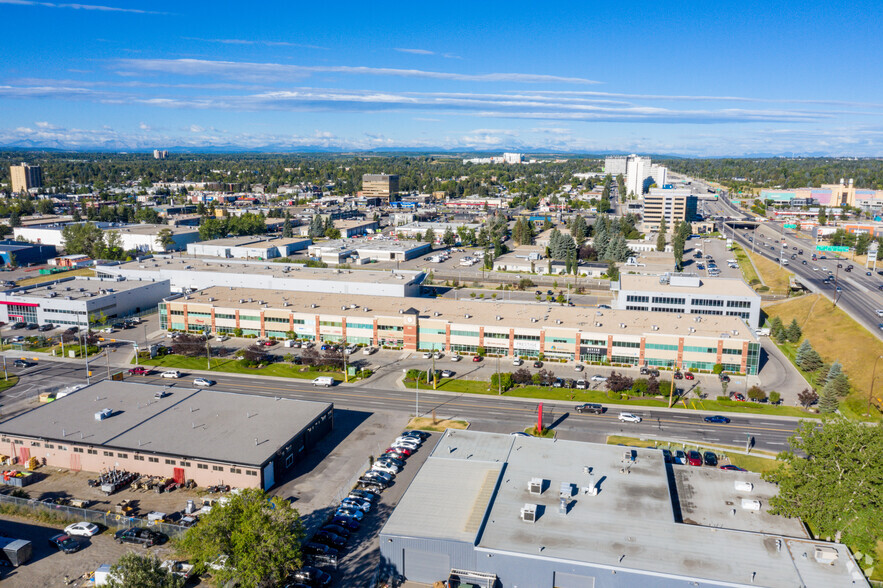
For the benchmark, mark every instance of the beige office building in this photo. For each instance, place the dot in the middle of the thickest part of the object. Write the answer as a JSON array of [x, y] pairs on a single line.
[[24, 177], [672, 205], [380, 186]]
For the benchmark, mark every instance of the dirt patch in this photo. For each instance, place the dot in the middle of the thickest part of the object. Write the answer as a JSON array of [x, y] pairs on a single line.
[[437, 425]]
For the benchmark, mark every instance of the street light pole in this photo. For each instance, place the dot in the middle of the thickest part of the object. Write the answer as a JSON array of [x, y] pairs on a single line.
[[871, 391]]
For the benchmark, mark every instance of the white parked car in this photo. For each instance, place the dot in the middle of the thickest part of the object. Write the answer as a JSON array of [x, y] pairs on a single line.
[[598, 378], [386, 468], [222, 338], [437, 355], [427, 355], [83, 529], [517, 361], [406, 444], [455, 357], [409, 439], [170, 374], [368, 351], [627, 417]]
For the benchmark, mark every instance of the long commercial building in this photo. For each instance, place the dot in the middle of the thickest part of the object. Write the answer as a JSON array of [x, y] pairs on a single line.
[[844, 193], [208, 436], [688, 294], [501, 328], [492, 510], [141, 237], [284, 278], [248, 247], [80, 301]]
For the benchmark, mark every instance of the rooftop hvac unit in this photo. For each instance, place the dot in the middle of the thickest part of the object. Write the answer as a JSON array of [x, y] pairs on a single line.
[[241, 300], [621, 325], [597, 324], [698, 319], [743, 486], [211, 299], [435, 314], [749, 504], [533, 320], [468, 316], [284, 304], [692, 330], [535, 485], [251, 300], [529, 513], [565, 490], [401, 311], [104, 413], [499, 318], [354, 306], [313, 305], [735, 331], [655, 327]]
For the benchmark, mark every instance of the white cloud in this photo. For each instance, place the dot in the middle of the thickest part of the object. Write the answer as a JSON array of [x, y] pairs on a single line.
[[196, 129], [255, 42], [78, 6], [277, 71], [144, 126], [415, 51]]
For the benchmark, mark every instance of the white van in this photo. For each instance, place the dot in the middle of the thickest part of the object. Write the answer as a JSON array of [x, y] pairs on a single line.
[[290, 343], [326, 381]]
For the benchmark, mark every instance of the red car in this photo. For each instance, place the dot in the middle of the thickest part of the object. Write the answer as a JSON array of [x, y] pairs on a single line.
[[268, 343], [733, 468], [694, 458], [476, 358], [403, 450], [739, 397], [139, 371], [689, 376]]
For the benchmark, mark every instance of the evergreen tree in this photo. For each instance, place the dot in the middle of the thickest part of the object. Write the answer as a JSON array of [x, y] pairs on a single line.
[[429, 235], [617, 249], [449, 238], [660, 238], [828, 398], [601, 235], [823, 217], [329, 224], [775, 327], [317, 227], [804, 348], [612, 272], [286, 226], [578, 230], [574, 264], [812, 361], [781, 336], [835, 370]]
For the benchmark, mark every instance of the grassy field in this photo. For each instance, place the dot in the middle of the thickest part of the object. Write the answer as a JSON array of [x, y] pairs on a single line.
[[836, 337], [760, 462], [6, 384], [427, 424], [232, 366], [38, 279], [770, 273], [580, 396], [748, 272]]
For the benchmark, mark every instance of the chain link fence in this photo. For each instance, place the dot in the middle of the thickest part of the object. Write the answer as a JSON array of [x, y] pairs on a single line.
[[62, 514]]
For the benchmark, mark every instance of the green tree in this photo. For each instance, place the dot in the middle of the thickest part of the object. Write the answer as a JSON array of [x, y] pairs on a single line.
[[85, 238], [260, 536], [449, 237], [579, 230], [612, 272], [811, 361], [317, 227], [113, 245], [617, 249], [660, 237], [165, 239], [429, 236], [14, 219], [776, 327], [212, 228], [332, 233], [286, 226], [775, 397], [823, 217], [804, 348], [828, 402], [833, 481], [133, 570]]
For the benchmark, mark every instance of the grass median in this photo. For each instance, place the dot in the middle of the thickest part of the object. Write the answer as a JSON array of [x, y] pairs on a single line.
[[760, 462], [232, 366], [599, 396]]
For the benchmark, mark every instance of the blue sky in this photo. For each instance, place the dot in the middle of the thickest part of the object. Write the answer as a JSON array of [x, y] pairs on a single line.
[[700, 78]]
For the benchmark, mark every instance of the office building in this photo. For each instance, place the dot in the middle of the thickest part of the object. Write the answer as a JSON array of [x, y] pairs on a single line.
[[204, 435], [493, 510], [638, 172], [160, 154], [25, 177], [80, 301], [463, 326], [285, 279], [381, 186], [674, 205], [688, 294]]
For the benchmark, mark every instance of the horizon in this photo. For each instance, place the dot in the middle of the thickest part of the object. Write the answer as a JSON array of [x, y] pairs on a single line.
[[696, 81]]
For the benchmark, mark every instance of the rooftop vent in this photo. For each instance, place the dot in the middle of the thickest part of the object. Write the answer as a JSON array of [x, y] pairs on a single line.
[[533, 320], [621, 325], [241, 300], [435, 314], [529, 513], [692, 330], [655, 327], [499, 318], [535, 486], [354, 306], [402, 311], [557, 321], [284, 304], [211, 299], [313, 306]]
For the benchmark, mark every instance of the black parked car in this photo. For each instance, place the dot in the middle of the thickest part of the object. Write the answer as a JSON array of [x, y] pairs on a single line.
[[312, 548], [140, 536], [310, 576], [65, 543], [422, 435], [336, 530], [710, 458], [20, 363], [346, 522], [365, 495], [330, 539], [666, 455]]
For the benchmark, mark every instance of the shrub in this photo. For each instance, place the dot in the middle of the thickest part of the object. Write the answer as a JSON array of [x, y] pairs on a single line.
[[639, 387], [757, 394], [717, 369], [775, 397]]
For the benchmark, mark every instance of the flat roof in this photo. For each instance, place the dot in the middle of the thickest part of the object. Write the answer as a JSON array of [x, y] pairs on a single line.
[[252, 241], [707, 286], [488, 313], [148, 229], [199, 423], [78, 288], [629, 525], [279, 270], [369, 244]]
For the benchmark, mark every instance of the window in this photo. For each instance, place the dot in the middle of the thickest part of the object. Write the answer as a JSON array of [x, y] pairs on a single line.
[[217, 468], [743, 315], [289, 460], [249, 318], [235, 470], [668, 300], [706, 302], [738, 304], [595, 342], [695, 349], [465, 333], [630, 344], [666, 309], [632, 307], [138, 458], [706, 311], [496, 335], [123, 455], [562, 340], [250, 473], [201, 466], [394, 328], [92, 451], [108, 453], [186, 464], [661, 347], [199, 314], [35, 444], [170, 462], [370, 326], [634, 298], [78, 450], [732, 351], [329, 323], [177, 313], [527, 337], [153, 459], [231, 317], [276, 319]]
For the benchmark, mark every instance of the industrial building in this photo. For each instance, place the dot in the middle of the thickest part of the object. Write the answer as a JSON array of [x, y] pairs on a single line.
[[348, 228], [413, 229], [674, 205], [241, 440], [141, 237], [835, 195], [80, 301], [463, 326], [25, 177], [23, 254], [688, 294], [492, 510], [248, 247], [381, 186], [187, 274], [364, 251]]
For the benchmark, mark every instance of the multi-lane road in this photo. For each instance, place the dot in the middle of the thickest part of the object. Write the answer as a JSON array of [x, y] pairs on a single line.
[[854, 291], [489, 413]]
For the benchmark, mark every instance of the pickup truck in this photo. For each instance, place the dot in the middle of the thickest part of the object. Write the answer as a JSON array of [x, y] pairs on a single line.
[[139, 371]]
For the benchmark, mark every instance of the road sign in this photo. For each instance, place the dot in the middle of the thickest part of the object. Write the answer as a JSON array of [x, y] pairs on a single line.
[[790, 226], [836, 248]]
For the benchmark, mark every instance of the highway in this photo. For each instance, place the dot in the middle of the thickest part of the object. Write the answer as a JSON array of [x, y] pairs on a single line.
[[859, 294], [488, 413]]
